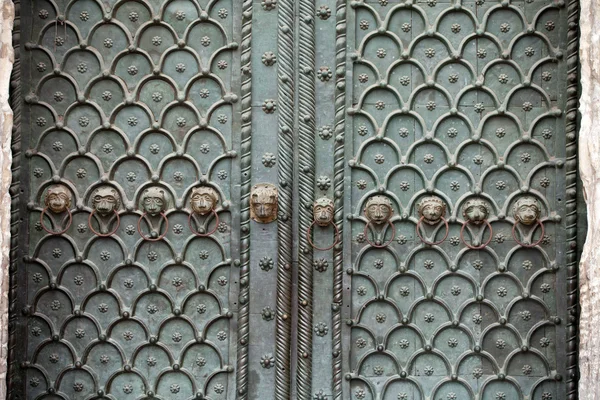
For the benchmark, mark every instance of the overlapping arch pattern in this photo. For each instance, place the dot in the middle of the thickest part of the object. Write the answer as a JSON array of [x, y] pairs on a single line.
[[461, 100]]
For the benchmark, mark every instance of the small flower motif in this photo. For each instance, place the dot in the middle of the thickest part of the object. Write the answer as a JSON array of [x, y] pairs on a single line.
[[266, 263], [200, 361], [406, 27], [499, 238], [363, 130], [477, 319], [455, 290], [404, 80], [324, 74], [381, 53], [546, 133], [500, 185], [401, 239], [128, 335], [104, 359], [430, 105], [320, 395], [79, 333], [454, 185], [132, 121], [59, 41], [38, 172], [500, 132], [78, 280], [269, 106], [477, 373], [269, 4], [525, 157], [41, 67], [40, 121], [527, 106], [222, 118], [201, 308], [152, 308], [453, 78], [380, 318], [268, 314], [128, 283], [82, 68], [544, 342], [502, 291], [177, 281], [451, 396], [380, 105], [127, 389], [378, 263], [269, 58], [361, 184], [527, 369], [178, 176], [429, 317], [481, 53], [378, 370], [503, 78], [203, 254], [431, 3], [546, 76], [529, 51], [222, 281], [37, 277], [156, 40], [321, 329], [181, 122], [546, 396], [268, 160], [383, 2], [38, 226], [130, 230], [57, 146], [525, 315], [363, 78], [222, 64], [428, 158], [360, 393], [267, 361], [505, 27], [157, 97], [222, 174], [429, 53], [364, 24], [500, 344], [428, 370], [429, 264], [478, 159], [455, 28], [104, 255], [84, 16], [106, 95], [404, 186], [324, 182], [180, 15], [325, 132], [176, 337], [320, 264], [132, 70], [180, 67], [477, 264], [360, 238], [222, 13], [404, 291], [131, 176], [174, 388], [58, 96], [404, 344], [452, 132], [205, 41], [527, 264], [454, 240], [152, 255], [103, 307], [479, 108], [379, 158], [545, 287], [133, 16], [219, 388]]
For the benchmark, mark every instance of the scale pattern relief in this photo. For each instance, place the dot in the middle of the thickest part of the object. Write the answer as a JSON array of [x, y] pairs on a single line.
[[132, 95], [461, 100]]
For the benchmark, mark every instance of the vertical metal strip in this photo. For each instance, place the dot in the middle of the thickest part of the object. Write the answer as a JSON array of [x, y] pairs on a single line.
[[285, 144], [572, 255], [338, 184], [246, 183]]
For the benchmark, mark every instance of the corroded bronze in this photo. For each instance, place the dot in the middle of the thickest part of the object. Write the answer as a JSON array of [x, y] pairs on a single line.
[[204, 201], [323, 209], [379, 211], [431, 209], [476, 212], [527, 211], [106, 201], [57, 200], [263, 203], [154, 202]]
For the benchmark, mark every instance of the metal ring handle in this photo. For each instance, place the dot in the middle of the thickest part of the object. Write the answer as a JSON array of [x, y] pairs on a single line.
[[537, 222], [336, 241], [162, 214], [195, 232], [53, 232], [432, 243], [380, 246], [104, 234], [462, 238]]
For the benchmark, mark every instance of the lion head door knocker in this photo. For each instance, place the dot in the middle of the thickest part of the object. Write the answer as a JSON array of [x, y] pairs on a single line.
[[203, 201], [58, 200], [527, 211], [431, 211], [263, 203], [379, 212], [323, 216], [476, 212], [154, 203], [106, 202]]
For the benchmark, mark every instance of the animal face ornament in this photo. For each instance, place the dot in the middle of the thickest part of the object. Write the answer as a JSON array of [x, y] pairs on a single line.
[[204, 199], [58, 199], [379, 209], [263, 203], [105, 200], [154, 200], [432, 209], [476, 211], [323, 211], [526, 210]]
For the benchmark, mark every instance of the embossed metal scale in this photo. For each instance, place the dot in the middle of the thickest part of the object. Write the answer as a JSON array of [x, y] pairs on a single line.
[[295, 199]]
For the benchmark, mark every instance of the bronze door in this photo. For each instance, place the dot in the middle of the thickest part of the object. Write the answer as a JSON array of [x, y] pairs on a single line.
[[285, 199]]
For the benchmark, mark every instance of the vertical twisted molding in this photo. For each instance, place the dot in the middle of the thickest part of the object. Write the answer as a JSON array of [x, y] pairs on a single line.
[[246, 182], [306, 185], [14, 375], [571, 196], [338, 184], [285, 149]]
